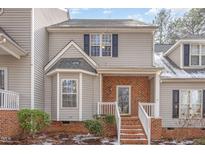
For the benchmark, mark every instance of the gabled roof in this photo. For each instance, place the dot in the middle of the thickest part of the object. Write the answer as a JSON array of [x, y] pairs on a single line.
[[102, 23], [172, 71], [58, 56], [73, 63], [8, 44], [162, 47], [186, 39]]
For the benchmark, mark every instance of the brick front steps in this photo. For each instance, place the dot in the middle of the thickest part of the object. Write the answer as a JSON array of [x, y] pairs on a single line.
[[132, 131]]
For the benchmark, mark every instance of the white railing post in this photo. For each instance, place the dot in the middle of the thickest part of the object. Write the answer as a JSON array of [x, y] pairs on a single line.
[[157, 94], [145, 112]]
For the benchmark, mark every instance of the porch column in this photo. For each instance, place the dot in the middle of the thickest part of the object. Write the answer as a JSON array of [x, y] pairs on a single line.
[[58, 97], [100, 87], [157, 93], [80, 96]]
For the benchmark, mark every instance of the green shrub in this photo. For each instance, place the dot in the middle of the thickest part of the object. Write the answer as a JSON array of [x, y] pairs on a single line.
[[32, 121], [110, 119], [94, 126]]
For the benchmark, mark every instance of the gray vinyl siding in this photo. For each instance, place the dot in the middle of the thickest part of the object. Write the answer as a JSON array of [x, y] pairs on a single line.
[[43, 17], [135, 49], [69, 114], [166, 101], [72, 52], [87, 97], [175, 56], [17, 24], [19, 77], [48, 94], [54, 98], [57, 41]]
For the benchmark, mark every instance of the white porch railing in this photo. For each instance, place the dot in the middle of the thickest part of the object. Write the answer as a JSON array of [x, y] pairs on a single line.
[[145, 113], [9, 100], [106, 108], [111, 108]]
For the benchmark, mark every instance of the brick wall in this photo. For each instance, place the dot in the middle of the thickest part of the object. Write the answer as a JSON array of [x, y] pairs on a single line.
[[156, 128], [140, 89], [9, 125], [183, 133]]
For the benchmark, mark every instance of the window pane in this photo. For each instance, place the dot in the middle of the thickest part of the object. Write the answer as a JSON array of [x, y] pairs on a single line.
[[194, 60], [106, 51], [195, 103], [95, 40], [203, 50], [69, 86], [95, 50], [69, 100], [106, 39], [203, 60], [2, 86], [184, 106], [195, 49]]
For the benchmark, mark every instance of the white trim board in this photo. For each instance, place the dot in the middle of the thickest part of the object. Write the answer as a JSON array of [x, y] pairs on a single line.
[[70, 71], [72, 43]]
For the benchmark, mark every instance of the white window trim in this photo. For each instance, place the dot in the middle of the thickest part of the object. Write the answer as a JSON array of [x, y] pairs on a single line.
[[1, 11], [5, 76], [101, 34], [130, 101], [200, 56], [77, 93], [180, 91]]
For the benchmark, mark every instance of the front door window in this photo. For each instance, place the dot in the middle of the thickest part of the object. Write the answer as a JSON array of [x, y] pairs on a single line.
[[2, 78], [123, 99]]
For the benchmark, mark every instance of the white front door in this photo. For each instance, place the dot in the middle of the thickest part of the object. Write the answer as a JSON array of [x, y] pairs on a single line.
[[124, 98]]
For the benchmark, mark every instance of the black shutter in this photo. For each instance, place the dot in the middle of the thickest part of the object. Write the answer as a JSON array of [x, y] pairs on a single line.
[[203, 103], [115, 45], [186, 54], [86, 43], [175, 101]]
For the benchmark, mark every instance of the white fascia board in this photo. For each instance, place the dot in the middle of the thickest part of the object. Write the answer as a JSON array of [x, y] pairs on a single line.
[[197, 80], [70, 71], [10, 52], [54, 60]]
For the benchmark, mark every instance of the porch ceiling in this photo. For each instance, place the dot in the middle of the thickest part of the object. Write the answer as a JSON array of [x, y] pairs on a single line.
[[9, 47]]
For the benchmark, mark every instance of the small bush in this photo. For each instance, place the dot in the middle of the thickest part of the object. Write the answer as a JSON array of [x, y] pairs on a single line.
[[110, 119], [32, 121], [94, 126]]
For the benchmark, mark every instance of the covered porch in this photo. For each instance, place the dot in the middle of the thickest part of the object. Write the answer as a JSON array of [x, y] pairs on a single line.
[[10, 52], [132, 94]]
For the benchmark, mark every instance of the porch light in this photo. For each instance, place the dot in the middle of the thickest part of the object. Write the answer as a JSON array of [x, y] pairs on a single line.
[[2, 39]]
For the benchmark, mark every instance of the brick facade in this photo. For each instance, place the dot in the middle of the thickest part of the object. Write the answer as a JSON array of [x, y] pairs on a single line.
[[9, 125], [140, 89], [156, 128], [77, 128], [183, 133]]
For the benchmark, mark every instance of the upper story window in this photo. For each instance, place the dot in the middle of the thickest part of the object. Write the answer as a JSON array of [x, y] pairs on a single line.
[[101, 44], [194, 55]]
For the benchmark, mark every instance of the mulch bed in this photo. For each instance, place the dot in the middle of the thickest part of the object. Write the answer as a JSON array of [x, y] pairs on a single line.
[[58, 138]]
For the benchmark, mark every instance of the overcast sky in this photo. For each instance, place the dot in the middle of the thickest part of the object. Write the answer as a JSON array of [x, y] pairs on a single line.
[[146, 15]]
